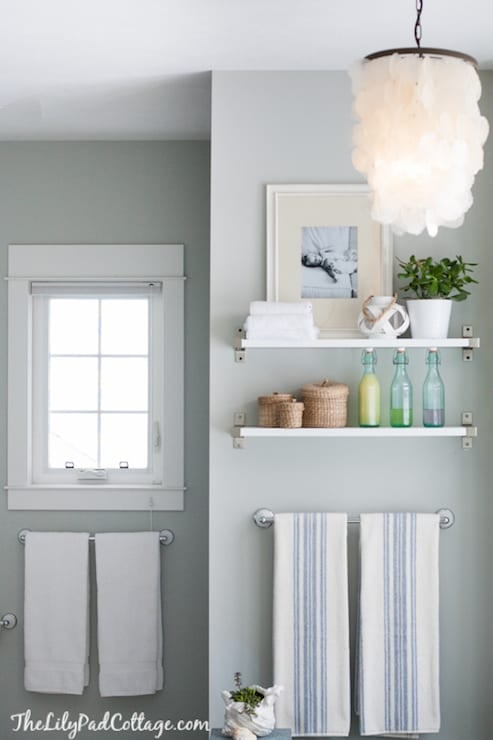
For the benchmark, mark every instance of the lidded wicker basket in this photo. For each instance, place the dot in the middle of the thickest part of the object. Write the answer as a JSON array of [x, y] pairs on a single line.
[[268, 408], [291, 414], [325, 404]]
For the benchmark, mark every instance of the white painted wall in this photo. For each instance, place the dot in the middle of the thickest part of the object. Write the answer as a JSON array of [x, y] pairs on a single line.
[[295, 127]]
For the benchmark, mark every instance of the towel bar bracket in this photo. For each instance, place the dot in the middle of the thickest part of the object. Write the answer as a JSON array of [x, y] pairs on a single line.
[[264, 518], [166, 536], [447, 518], [8, 621], [21, 535]]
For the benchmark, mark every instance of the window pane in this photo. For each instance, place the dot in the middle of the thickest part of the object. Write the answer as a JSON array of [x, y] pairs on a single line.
[[124, 439], [124, 384], [73, 438], [73, 326], [73, 384], [125, 326]]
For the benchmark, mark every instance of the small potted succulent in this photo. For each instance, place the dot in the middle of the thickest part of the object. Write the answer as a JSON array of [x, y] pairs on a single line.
[[435, 284], [250, 708]]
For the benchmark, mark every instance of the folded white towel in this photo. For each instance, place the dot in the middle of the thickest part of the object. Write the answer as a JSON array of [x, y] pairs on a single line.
[[56, 606], [280, 327], [130, 633], [311, 623], [279, 307], [398, 679]]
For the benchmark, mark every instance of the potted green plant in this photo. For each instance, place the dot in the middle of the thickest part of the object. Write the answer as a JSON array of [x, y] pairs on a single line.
[[435, 283], [250, 708]]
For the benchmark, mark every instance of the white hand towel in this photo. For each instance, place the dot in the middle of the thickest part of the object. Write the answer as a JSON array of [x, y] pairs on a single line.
[[398, 671], [130, 632], [276, 307], [56, 612], [311, 623], [280, 327]]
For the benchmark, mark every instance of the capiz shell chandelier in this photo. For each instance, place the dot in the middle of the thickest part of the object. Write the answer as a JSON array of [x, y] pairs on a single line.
[[420, 135]]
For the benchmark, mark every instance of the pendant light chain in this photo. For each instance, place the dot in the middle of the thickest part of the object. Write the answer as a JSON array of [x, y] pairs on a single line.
[[417, 25]]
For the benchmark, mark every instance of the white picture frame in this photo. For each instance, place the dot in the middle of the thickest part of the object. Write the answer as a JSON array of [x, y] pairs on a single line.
[[301, 221]]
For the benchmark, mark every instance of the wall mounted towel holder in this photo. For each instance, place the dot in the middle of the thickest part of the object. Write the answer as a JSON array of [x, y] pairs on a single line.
[[8, 621], [264, 518], [166, 536]]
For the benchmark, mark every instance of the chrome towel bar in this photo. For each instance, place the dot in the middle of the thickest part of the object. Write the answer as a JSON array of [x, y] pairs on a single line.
[[264, 518], [166, 536]]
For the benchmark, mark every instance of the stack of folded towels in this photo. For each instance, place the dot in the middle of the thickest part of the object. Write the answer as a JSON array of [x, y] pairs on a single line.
[[281, 320]]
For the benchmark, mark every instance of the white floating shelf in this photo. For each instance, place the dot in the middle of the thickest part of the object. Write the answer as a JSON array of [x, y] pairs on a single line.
[[462, 431], [357, 342]]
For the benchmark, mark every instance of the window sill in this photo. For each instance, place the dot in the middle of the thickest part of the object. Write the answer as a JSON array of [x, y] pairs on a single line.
[[94, 497]]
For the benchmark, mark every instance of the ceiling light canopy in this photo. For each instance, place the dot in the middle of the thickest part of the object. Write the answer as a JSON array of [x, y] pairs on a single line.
[[420, 135]]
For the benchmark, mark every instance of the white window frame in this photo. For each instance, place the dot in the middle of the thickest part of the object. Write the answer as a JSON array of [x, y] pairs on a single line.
[[42, 291], [93, 264]]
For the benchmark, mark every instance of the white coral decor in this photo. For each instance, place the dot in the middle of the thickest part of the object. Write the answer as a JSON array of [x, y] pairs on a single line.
[[263, 719], [419, 138]]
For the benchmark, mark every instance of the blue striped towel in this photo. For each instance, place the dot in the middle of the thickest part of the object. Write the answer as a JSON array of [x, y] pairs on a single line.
[[311, 624], [397, 683]]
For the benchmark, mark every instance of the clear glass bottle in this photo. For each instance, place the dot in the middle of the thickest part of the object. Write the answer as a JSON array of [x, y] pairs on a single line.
[[401, 393], [433, 392], [369, 391]]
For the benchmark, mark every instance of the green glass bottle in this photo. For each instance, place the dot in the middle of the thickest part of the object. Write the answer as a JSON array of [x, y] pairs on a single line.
[[433, 392], [401, 393], [369, 391]]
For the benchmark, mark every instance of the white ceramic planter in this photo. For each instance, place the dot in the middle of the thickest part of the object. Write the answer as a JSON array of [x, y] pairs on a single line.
[[261, 722], [430, 318]]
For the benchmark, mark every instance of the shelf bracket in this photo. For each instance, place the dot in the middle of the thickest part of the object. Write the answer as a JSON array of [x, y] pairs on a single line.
[[240, 354], [471, 431], [239, 420], [467, 333]]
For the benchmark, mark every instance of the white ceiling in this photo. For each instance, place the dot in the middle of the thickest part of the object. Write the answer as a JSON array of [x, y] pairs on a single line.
[[139, 69]]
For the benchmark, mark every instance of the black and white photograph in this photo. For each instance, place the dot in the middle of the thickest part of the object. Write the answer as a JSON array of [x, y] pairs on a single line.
[[324, 247], [329, 262]]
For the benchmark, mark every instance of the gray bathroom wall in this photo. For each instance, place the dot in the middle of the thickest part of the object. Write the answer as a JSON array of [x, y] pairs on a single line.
[[123, 192], [296, 128]]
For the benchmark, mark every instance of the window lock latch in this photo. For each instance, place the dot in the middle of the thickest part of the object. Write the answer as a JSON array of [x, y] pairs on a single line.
[[92, 474]]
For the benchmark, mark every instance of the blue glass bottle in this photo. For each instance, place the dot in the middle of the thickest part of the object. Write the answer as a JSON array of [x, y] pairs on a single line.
[[401, 393], [433, 392]]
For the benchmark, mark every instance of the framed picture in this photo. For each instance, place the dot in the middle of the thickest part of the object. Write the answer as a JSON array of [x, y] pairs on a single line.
[[324, 248]]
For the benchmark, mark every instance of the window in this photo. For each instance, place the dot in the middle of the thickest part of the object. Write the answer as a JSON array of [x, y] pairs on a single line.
[[96, 409], [96, 422]]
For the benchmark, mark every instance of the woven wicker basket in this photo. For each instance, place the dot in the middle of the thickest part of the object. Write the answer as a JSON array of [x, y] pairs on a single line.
[[325, 404], [291, 414], [268, 408]]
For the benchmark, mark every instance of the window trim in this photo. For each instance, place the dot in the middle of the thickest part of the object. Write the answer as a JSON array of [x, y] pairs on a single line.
[[93, 263]]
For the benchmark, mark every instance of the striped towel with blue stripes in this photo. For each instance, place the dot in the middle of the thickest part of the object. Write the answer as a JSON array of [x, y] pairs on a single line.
[[397, 683], [311, 624]]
